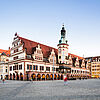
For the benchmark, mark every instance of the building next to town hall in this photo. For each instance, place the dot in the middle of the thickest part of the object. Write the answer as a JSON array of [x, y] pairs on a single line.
[[4, 67], [94, 65], [33, 60]]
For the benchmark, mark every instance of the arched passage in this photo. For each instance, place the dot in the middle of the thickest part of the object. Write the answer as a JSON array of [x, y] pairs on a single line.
[[51, 76], [17, 76], [38, 77], [61, 77], [13, 76], [47, 77], [1, 77], [6, 77], [33, 77], [10, 76], [21, 76], [55, 76], [58, 77], [43, 76]]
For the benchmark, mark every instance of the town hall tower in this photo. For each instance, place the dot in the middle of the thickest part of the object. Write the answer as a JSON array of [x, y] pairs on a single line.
[[63, 47]]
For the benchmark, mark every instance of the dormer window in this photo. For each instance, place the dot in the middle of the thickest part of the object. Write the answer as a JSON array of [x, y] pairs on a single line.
[[37, 53], [16, 50], [29, 56], [80, 63], [52, 57], [14, 45]]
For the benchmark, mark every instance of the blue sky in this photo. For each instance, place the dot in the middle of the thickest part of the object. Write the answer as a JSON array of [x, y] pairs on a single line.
[[41, 21]]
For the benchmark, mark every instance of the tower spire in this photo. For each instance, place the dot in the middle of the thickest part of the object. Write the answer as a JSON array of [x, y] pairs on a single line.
[[63, 25], [63, 35]]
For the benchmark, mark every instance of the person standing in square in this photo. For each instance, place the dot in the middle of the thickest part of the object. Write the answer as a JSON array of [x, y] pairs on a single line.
[[65, 80]]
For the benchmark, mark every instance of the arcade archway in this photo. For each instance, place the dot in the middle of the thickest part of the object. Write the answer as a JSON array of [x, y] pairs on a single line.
[[43, 76], [13, 76], [33, 77], [21, 76], [17, 76], [10, 76], [47, 77], [38, 77]]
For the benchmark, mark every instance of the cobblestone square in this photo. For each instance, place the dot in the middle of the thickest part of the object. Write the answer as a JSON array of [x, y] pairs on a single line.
[[50, 90]]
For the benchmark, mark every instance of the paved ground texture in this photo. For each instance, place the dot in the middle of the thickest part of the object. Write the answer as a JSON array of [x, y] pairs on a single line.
[[50, 90]]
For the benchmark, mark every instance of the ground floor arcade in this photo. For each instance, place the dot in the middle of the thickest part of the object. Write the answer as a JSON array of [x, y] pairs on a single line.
[[35, 76]]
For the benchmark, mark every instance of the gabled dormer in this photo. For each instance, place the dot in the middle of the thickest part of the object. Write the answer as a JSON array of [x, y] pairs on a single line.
[[70, 60], [52, 57], [77, 62], [15, 41], [37, 53], [74, 61], [83, 63], [17, 45]]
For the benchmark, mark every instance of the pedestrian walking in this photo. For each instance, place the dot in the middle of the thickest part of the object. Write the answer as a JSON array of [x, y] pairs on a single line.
[[65, 80], [3, 80]]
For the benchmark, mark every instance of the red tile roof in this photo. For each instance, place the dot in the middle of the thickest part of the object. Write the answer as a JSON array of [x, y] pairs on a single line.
[[73, 55], [29, 44], [7, 52]]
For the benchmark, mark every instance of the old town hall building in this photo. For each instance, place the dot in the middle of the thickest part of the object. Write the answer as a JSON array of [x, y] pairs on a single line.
[[33, 60]]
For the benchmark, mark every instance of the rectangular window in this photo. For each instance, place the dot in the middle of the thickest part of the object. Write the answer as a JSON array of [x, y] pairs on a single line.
[[16, 50], [27, 66], [33, 67], [17, 57], [30, 67], [41, 67], [6, 70], [53, 69], [36, 67], [14, 58], [47, 68], [16, 67], [28, 56], [20, 67], [10, 68], [59, 57]]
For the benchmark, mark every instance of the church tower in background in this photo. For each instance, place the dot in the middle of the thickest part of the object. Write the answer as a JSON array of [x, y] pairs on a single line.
[[63, 47]]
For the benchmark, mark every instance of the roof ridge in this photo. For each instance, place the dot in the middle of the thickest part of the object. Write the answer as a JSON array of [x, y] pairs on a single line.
[[75, 55], [37, 42], [3, 50]]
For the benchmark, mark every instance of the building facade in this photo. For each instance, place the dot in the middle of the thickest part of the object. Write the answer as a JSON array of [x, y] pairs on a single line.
[[94, 65], [4, 67], [32, 60]]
